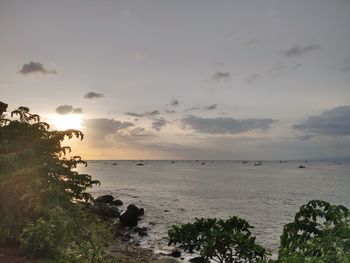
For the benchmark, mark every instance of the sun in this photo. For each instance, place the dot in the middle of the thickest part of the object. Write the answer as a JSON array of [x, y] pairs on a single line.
[[66, 122]]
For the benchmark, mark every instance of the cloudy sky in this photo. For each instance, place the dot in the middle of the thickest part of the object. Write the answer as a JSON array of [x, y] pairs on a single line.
[[230, 79]]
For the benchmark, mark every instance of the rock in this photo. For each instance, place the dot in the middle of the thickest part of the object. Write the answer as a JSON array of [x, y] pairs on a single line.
[[128, 220], [198, 260], [107, 211], [117, 202], [131, 216], [141, 212], [175, 253], [139, 164], [301, 166], [166, 260], [133, 209], [104, 199], [141, 231], [114, 164], [137, 229], [143, 234]]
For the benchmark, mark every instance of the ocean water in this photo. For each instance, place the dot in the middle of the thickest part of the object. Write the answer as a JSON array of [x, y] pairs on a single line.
[[268, 196]]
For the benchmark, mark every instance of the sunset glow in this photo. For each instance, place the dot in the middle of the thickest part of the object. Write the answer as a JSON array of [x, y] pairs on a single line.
[[65, 122]]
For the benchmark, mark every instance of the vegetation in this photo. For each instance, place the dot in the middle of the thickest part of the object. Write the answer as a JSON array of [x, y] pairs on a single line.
[[219, 240], [44, 206], [320, 233]]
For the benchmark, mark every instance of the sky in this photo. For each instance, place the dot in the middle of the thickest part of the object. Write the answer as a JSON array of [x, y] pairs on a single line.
[[185, 79]]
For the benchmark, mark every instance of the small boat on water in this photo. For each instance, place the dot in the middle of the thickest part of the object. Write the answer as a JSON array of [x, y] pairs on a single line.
[[258, 163]]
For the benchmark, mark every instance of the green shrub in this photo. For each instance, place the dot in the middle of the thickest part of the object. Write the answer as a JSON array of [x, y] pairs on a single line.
[[320, 233], [220, 240], [46, 236]]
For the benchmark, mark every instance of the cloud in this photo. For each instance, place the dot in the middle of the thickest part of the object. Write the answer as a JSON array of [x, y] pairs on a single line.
[[221, 76], [140, 132], [170, 111], [300, 51], [146, 114], [225, 125], [35, 67], [78, 110], [159, 123], [211, 107], [97, 130], [334, 122], [306, 137], [67, 109], [133, 114], [192, 108], [252, 78], [64, 109], [93, 95], [174, 103]]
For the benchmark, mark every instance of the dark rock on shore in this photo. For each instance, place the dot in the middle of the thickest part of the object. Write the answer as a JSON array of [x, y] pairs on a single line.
[[141, 231], [131, 216], [105, 206], [107, 211], [175, 253], [301, 166], [104, 199], [198, 260], [141, 212], [117, 202]]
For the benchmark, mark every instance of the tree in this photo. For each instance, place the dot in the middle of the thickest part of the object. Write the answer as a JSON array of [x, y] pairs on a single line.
[[320, 233], [44, 204], [3, 107], [224, 241]]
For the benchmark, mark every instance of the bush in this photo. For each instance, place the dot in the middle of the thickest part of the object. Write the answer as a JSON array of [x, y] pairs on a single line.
[[45, 236], [220, 240]]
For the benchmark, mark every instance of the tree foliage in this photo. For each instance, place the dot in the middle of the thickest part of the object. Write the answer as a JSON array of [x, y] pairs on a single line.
[[320, 233], [44, 200], [219, 240]]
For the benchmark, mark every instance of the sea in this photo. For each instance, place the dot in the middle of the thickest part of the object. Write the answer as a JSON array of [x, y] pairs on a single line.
[[267, 194]]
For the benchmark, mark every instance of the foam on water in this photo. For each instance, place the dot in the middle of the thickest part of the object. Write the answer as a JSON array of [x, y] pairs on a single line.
[[268, 196]]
